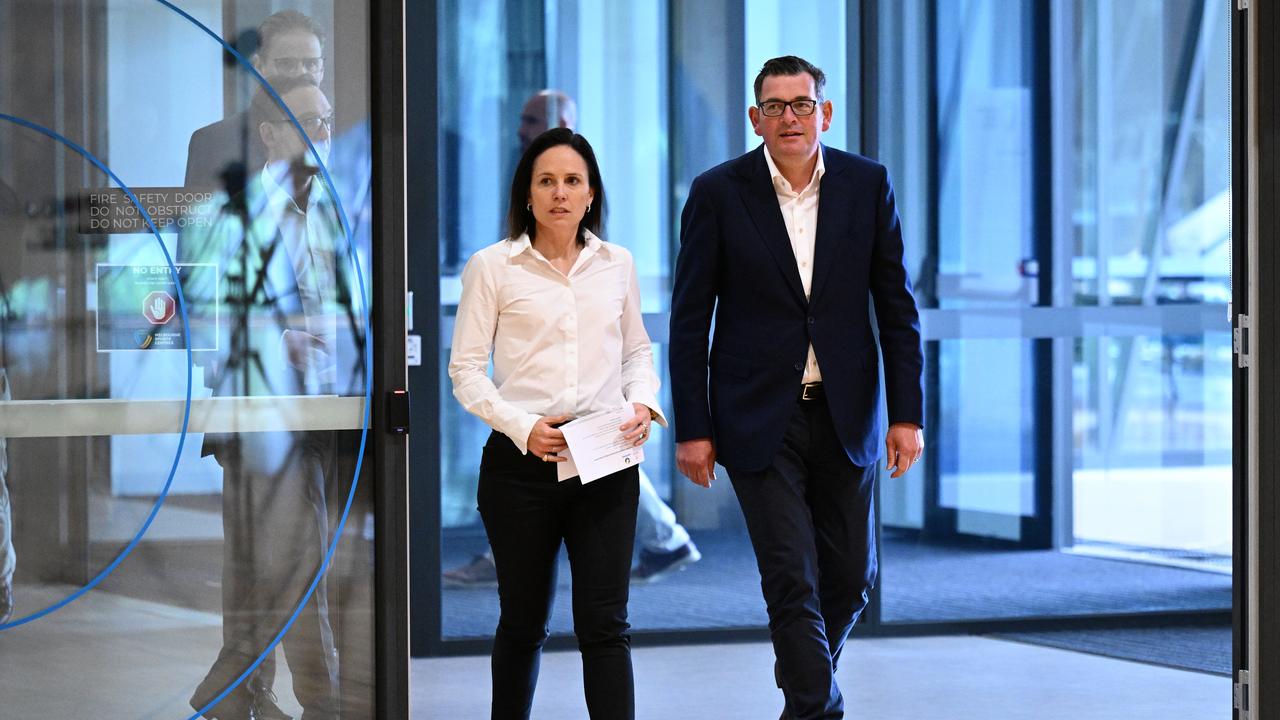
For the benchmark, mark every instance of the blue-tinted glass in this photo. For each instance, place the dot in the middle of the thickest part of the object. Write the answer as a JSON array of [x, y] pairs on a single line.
[[1067, 433], [260, 268]]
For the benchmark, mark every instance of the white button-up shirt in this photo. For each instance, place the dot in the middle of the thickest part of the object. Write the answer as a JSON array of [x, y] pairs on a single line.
[[800, 213], [561, 344], [308, 238]]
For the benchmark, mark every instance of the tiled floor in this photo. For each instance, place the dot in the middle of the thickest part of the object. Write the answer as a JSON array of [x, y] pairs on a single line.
[[110, 656], [951, 678]]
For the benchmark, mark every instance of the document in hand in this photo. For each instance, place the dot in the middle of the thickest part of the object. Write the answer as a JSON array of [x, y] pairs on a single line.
[[598, 447]]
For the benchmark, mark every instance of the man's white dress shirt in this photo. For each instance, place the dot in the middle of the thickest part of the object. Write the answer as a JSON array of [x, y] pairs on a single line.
[[800, 213], [560, 344], [309, 239]]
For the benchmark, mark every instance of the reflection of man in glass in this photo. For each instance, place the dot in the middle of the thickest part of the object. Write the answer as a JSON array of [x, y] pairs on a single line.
[[290, 45], [8, 558], [284, 306], [9, 207], [665, 546]]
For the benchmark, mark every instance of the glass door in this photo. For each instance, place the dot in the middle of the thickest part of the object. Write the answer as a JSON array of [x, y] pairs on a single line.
[[1064, 176], [187, 485]]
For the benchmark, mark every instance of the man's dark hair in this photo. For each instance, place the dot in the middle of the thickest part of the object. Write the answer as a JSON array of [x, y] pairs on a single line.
[[286, 21], [791, 65], [520, 218], [264, 108]]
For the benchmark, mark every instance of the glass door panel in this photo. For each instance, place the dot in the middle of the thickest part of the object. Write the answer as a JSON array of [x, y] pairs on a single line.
[[184, 335], [1063, 173]]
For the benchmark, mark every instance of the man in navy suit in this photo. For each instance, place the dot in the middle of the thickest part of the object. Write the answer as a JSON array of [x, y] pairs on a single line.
[[785, 248]]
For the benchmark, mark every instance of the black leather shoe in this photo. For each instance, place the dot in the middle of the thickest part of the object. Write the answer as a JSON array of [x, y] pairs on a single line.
[[6, 600]]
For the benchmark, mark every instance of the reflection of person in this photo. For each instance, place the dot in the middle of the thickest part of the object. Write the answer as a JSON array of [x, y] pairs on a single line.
[[290, 45], [790, 405], [8, 557], [278, 246], [558, 312], [665, 545], [9, 205], [544, 110]]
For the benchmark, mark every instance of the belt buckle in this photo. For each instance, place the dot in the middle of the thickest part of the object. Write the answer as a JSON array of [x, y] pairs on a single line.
[[804, 391]]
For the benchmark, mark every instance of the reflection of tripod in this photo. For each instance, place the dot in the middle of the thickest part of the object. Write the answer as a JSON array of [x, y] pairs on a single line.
[[275, 514], [241, 300], [275, 533]]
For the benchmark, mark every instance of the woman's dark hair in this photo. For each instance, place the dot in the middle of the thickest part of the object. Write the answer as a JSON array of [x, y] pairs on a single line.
[[520, 218]]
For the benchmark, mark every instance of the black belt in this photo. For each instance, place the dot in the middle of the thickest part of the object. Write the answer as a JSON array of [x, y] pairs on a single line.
[[810, 392]]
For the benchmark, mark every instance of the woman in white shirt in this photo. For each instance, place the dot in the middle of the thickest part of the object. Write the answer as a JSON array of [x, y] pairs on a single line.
[[558, 311]]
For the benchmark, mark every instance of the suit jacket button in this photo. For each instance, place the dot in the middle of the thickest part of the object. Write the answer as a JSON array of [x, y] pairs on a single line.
[[810, 321], [799, 367]]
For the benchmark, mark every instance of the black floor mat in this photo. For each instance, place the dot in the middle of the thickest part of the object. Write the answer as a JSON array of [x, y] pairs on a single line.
[[1203, 649]]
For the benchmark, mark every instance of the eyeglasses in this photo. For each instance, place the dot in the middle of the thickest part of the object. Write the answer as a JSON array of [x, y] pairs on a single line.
[[802, 108], [311, 125], [291, 65]]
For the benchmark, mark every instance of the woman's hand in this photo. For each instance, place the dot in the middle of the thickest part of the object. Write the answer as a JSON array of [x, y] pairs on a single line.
[[545, 440], [636, 430]]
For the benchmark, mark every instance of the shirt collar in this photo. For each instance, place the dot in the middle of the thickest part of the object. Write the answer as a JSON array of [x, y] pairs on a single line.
[[779, 181], [278, 197], [522, 244]]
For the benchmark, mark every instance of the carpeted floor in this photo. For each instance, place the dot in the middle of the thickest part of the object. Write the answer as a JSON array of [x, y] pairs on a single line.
[[919, 583], [1203, 649]]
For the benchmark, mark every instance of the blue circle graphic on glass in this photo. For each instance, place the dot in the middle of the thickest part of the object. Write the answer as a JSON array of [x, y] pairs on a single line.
[[181, 309]]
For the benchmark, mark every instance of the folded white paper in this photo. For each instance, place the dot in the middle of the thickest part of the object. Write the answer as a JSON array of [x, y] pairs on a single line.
[[597, 447]]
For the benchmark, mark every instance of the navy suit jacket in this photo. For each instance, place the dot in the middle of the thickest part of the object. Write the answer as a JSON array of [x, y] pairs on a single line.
[[736, 264], [224, 154]]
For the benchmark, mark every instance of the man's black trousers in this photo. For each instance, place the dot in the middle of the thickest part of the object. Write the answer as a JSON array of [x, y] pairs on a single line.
[[810, 518]]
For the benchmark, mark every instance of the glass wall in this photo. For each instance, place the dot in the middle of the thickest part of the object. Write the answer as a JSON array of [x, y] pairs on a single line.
[[1061, 171], [185, 518], [1073, 251], [1152, 411]]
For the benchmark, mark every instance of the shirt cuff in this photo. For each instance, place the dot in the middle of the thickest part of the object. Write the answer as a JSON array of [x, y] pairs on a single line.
[[518, 430], [646, 398]]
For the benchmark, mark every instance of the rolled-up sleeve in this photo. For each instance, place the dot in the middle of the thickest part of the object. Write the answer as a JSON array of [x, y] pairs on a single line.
[[473, 340]]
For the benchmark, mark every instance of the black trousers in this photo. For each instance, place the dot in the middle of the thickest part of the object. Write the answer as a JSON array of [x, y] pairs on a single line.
[[809, 515], [527, 514], [275, 532]]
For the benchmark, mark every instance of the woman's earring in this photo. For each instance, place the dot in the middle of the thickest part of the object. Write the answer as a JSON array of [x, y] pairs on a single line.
[[528, 206], [588, 207]]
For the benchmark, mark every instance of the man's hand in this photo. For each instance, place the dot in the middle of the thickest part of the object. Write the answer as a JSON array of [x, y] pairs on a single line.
[[298, 346], [697, 460], [545, 440], [903, 445]]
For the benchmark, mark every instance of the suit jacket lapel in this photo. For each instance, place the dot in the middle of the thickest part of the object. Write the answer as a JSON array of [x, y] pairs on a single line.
[[828, 243], [762, 204]]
